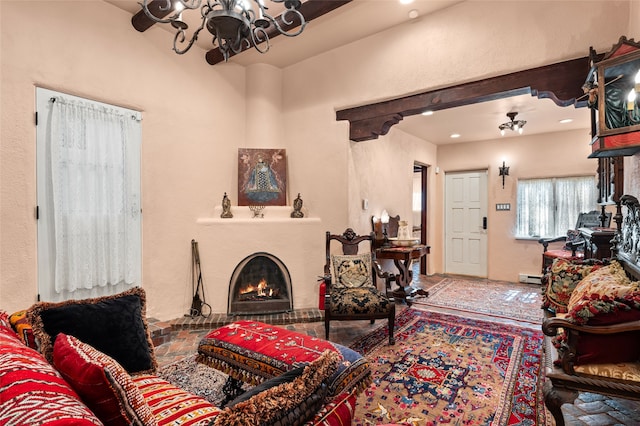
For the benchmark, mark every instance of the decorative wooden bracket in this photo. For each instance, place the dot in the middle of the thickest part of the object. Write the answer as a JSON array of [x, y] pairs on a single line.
[[561, 82]]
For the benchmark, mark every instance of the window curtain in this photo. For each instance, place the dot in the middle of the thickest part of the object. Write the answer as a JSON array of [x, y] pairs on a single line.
[[573, 196], [96, 198], [535, 217], [550, 207]]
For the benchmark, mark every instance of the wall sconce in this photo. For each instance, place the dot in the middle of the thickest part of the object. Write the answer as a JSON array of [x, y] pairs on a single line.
[[503, 171]]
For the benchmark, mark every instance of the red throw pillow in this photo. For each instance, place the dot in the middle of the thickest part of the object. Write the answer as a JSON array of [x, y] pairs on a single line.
[[622, 347], [102, 383], [32, 391]]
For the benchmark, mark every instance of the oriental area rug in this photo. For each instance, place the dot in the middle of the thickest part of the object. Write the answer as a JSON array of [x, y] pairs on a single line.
[[446, 369], [513, 301]]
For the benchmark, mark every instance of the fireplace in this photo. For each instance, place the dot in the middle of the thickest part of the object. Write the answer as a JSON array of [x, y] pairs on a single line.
[[260, 284]]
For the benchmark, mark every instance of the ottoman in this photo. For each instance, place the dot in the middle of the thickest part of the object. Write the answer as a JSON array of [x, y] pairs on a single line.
[[252, 352]]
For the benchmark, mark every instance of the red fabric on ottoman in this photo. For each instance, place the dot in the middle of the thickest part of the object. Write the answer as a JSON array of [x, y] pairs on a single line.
[[252, 351]]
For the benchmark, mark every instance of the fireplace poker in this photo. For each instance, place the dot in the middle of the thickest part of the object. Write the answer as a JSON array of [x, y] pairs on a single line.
[[199, 307]]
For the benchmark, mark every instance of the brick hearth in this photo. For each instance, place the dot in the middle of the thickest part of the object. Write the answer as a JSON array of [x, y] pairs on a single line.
[[161, 330]]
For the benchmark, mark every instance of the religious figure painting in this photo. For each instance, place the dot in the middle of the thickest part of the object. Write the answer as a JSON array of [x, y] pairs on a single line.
[[262, 177]]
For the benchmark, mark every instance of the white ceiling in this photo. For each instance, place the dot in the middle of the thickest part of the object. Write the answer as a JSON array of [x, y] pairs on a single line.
[[480, 121], [362, 18]]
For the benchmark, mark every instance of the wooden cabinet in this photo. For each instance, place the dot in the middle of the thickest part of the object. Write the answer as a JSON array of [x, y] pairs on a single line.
[[597, 242]]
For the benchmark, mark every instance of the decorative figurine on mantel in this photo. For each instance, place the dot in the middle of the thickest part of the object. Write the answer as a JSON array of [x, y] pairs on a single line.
[[226, 207], [257, 211], [297, 207]]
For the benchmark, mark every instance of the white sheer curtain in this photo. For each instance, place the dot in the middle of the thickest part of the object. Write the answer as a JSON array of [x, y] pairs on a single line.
[[550, 207], [535, 217], [96, 198]]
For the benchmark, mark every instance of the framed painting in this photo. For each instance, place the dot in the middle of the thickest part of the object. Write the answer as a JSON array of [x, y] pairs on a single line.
[[262, 177]]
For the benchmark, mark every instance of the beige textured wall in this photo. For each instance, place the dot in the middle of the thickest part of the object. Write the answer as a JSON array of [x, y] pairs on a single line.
[[190, 113], [196, 116], [399, 61], [528, 156]]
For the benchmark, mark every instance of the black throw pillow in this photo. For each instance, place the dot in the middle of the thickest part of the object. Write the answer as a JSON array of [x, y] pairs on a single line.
[[115, 325]]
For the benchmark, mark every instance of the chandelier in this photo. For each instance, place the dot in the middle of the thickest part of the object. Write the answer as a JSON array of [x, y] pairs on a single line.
[[234, 24], [513, 125]]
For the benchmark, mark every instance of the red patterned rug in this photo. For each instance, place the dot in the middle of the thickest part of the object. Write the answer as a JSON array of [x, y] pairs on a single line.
[[501, 299], [446, 369]]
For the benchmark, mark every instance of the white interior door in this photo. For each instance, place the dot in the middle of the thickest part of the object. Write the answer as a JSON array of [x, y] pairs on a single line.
[[465, 223]]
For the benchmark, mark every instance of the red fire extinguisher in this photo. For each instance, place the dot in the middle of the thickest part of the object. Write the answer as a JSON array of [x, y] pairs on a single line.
[[322, 291]]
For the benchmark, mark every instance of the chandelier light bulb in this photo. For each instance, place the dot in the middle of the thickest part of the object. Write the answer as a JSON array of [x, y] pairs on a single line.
[[631, 100], [502, 132], [638, 81]]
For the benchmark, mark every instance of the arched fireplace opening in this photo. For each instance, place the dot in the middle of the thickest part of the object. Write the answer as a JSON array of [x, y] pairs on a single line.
[[260, 284]]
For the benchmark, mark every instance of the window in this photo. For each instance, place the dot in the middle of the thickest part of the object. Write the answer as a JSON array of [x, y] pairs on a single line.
[[549, 207], [88, 174]]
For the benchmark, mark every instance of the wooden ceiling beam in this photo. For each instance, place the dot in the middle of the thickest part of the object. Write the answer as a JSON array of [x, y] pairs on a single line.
[[141, 21], [561, 82]]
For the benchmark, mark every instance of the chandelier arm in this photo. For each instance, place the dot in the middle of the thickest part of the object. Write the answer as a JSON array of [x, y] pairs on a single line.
[[180, 38], [188, 4], [223, 48], [289, 17], [259, 36], [227, 45]]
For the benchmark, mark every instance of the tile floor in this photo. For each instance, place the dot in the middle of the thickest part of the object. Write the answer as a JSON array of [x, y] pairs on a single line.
[[588, 410]]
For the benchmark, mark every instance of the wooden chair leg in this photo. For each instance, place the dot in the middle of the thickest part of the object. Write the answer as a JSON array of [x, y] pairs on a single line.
[[554, 398], [392, 321]]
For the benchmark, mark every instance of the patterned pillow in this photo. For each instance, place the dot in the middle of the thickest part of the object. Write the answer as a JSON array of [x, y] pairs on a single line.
[[605, 296], [101, 383], [564, 275], [115, 325], [351, 270], [610, 281], [22, 326], [291, 403], [338, 412], [32, 391], [4, 320], [172, 405]]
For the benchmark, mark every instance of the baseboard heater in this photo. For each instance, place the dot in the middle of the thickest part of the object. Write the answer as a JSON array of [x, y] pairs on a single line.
[[530, 279]]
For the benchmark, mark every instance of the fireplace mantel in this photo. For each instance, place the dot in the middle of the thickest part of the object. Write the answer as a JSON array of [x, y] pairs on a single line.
[[242, 215], [298, 242]]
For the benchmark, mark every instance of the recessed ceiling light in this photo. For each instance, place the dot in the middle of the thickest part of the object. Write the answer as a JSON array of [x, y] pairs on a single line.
[[413, 14], [455, 136], [427, 113], [565, 121], [406, 1]]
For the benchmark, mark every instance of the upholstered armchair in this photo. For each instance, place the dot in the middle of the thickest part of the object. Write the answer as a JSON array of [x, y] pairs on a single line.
[[350, 278], [573, 247]]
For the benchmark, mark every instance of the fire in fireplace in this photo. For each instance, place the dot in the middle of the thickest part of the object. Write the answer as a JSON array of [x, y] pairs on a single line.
[[260, 284]]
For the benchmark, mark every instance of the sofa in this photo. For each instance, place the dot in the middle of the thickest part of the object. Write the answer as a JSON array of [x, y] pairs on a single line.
[[592, 330], [91, 362]]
